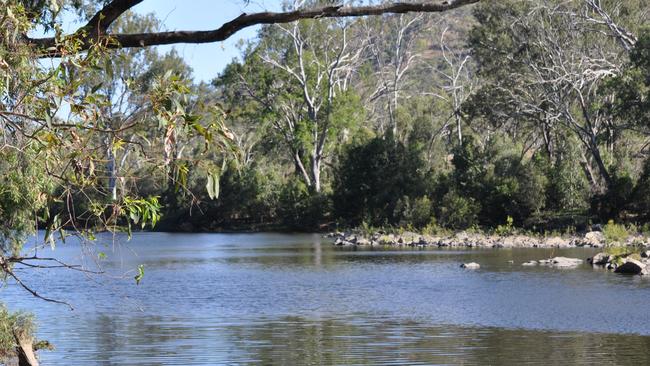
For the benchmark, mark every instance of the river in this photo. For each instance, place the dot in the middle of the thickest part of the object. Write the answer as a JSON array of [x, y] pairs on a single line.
[[292, 299]]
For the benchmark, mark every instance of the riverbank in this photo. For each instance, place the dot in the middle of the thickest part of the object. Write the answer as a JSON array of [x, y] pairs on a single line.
[[592, 239], [627, 256]]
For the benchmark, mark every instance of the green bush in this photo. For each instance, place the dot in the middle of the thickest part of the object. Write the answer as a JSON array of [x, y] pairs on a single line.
[[507, 229], [515, 189], [372, 178], [415, 212], [614, 232], [301, 208], [612, 203], [458, 212], [568, 188]]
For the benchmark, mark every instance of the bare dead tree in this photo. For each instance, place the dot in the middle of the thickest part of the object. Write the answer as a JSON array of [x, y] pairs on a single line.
[[459, 82]]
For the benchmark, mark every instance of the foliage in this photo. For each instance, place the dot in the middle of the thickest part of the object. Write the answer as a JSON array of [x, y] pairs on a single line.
[[12, 325], [372, 178], [458, 211], [507, 229], [615, 233], [416, 212]]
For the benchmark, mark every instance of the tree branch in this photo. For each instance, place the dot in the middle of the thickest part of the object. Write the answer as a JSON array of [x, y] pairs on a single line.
[[4, 267], [101, 21]]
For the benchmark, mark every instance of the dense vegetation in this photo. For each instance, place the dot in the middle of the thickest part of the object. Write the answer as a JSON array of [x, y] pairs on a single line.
[[511, 109], [534, 111]]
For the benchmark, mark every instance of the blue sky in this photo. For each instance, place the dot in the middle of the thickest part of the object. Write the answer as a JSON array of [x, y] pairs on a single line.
[[207, 60]]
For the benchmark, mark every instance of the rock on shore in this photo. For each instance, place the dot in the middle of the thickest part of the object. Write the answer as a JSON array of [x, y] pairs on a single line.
[[625, 265], [592, 239]]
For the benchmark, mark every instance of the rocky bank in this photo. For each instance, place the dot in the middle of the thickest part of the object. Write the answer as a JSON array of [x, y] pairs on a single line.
[[593, 239], [638, 264]]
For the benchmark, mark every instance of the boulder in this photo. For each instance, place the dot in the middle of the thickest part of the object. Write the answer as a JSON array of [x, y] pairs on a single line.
[[631, 266], [471, 265], [566, 262], [562, 262], [351, 238], [556, 242], [593, 238], [363, 241], [530, 263], [341, 242], [599, 259]]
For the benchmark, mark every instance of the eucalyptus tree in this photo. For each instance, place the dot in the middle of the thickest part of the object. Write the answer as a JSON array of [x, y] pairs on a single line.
[[300, 76], [392, 54], [545, 66]]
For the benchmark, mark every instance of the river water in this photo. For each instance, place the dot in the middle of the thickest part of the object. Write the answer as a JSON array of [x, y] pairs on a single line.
[[277, 299]]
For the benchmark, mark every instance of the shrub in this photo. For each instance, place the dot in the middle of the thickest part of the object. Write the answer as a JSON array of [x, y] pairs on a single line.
[[615, 232], [611, 204], [414, 212], [458, 212], [507, 229], [568, 187], [372, 178], [300, 207], [515, 189]]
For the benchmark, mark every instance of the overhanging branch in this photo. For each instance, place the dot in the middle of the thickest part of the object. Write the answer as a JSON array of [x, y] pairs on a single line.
[[95, 31]]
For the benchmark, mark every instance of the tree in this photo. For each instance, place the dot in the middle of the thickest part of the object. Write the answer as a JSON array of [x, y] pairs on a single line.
[[372, 178], [306, 97], [546, 71], [391, 45]]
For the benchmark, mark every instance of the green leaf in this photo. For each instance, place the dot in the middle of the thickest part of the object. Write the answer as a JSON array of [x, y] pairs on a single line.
[[96, 87], [48, 120], [140, 274], [212, 186]]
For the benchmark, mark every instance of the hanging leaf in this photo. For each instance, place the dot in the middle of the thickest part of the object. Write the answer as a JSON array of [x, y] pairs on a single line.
[[212, 185]]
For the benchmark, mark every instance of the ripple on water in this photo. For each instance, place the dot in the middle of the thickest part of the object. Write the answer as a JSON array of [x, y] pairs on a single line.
[[293, 299]]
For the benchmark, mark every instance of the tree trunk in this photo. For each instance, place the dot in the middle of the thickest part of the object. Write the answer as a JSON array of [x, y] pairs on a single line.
[[24, 354], [112, 174], [300, 169], [315, 172], [602, 169]]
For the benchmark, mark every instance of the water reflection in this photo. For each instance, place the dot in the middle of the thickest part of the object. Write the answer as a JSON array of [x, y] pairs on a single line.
[[354, 341], [296, 299]]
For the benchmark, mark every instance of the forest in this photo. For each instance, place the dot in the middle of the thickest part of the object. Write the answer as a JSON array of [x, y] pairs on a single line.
[[522, 111], [537, 111]]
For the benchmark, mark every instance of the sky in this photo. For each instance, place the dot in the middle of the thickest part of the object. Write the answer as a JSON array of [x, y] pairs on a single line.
[[207, 60]]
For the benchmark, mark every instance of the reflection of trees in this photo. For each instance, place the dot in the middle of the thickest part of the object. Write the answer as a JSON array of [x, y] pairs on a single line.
[[156, 340], [294, 340], [140, 339]]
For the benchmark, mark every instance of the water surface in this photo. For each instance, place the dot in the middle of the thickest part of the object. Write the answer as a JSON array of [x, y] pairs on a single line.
[[211, 299]]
